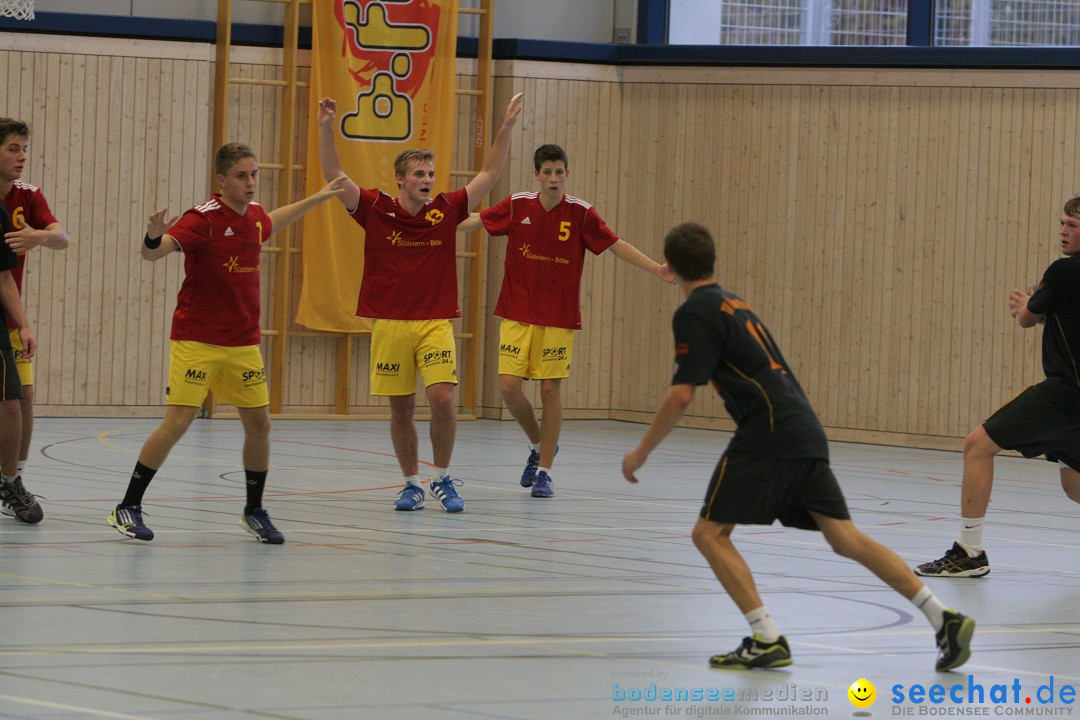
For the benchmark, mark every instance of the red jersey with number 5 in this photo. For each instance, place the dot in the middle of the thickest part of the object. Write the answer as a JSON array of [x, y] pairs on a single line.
[[545, 256], [219, 302]]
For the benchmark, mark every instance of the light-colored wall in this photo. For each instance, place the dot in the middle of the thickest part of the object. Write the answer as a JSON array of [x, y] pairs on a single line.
[[876, 219]]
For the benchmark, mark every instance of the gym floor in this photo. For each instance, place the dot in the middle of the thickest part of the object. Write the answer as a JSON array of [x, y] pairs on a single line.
[[592, 604]]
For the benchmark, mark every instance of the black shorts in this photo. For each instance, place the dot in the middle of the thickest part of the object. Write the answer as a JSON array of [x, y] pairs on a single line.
[[1042, 420], [748, 490], [10, 383]]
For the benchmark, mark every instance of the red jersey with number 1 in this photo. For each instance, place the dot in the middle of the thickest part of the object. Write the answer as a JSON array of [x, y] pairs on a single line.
[[219, 302], [410, 261], [545, 256], [27, 208]]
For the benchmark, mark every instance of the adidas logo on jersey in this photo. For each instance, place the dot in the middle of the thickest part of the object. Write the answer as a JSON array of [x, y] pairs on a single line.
[[526, 221], [229, 232]]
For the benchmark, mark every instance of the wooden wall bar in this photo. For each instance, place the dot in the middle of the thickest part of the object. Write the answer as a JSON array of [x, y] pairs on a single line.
[[876, 219]]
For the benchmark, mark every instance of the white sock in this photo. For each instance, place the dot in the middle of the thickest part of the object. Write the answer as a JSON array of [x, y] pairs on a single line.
[[5, 479], [22, 467], [439, 473], [544, 470], [534, 446], [412, 480], [930, 606], [762, 625], [971, 535]]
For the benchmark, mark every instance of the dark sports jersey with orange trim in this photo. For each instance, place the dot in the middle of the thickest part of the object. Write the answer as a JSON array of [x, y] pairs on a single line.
[[218, 302], [545, 256], [719, 338], [26, 207], [410, 261], [1058, 299]]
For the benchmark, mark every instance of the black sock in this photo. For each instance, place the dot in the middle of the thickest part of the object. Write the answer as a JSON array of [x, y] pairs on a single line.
[[256, 481], [140, 480]]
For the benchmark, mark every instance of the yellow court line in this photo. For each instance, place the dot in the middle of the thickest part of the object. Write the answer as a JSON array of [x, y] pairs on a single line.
[[75, 708]]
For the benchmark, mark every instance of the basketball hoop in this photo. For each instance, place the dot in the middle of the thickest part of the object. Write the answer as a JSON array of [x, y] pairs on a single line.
[[18, 9]]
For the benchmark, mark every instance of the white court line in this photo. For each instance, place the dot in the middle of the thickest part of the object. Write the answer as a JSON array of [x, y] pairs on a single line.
[[75, 708]]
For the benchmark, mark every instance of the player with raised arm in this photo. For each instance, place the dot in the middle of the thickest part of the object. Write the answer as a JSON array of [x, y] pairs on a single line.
[[776, 466], [409, 289], [547, 234], [214, 345]]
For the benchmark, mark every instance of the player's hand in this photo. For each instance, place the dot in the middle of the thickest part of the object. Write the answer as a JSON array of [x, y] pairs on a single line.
[[28, 342], [1018, 299], [157, 225], [24, 239], [334, 187], [632, 461], [664, 273], [327, 111], [513, 109]]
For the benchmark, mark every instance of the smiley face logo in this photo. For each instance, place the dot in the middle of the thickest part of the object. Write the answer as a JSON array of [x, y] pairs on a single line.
[[862, 693]]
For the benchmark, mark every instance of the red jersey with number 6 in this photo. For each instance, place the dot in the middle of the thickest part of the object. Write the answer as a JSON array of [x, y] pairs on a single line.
[[28, 208], [545, 256], [219, 302]]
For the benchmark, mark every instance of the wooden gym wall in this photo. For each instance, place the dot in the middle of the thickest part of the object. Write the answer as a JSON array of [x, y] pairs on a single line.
[[875, 218]]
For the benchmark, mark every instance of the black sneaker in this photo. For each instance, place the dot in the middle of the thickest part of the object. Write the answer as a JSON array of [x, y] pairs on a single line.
[[754, 653], [127, 519], [19, 503], [954, 640], [257, 522], [956, 563]]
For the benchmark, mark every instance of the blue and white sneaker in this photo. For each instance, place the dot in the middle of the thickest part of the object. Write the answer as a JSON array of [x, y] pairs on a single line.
[[257, 522], [411, 497], [127, 519], [447, 494], [542, 485], [528, 475]]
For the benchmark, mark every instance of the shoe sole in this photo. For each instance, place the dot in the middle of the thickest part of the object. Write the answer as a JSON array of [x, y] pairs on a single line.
[[409, 509], [743, 666], [542, 495], [454, 510], [963, 639], [977, 573], [124, 532]]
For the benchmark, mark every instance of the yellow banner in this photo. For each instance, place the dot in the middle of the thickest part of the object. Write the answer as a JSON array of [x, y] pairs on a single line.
[[390, 65]]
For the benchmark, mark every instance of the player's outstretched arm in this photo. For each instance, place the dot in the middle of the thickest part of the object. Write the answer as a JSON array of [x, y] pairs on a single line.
[[156, 244], [12, 304], [286, 215], [673, 407], [1018, 300], [625, 251], [481, 185], [53, 236], [471, 223], [328, 154]]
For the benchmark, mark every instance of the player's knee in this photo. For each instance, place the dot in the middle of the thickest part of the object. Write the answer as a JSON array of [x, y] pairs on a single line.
[[550, 391], [979, 444], [707, 534], [10, 411], [509, 386]]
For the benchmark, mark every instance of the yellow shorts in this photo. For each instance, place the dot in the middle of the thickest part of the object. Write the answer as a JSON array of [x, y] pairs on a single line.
[[401, 347], [25, 366], [235, 374], [534, 351]]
